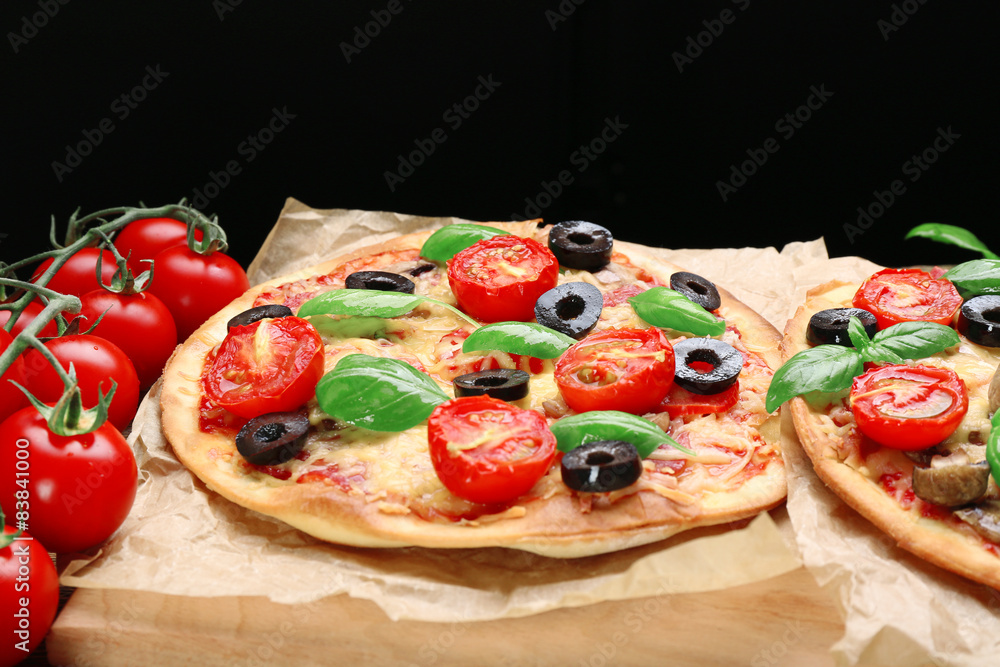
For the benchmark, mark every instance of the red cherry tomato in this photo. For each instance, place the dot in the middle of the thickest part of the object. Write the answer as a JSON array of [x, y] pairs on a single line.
[[272, 365], [147, 237], [906, 295], [137, 323], [487, 451], [680, 401], [29, 591], [500, 278], [29, 313], [908, 407], [79, 274], [12, 399], [97, 361], [630, 370], [79, 488], [194, 287]]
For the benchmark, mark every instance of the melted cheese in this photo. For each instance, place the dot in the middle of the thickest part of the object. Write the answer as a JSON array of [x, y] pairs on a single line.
[[394, 473]]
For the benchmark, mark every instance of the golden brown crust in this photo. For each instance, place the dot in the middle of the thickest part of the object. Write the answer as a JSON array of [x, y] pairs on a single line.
[[552, 526], [938, 542]]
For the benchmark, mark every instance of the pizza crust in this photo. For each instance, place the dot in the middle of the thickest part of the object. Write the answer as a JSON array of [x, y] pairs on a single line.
[[551, 526], [932, 540]]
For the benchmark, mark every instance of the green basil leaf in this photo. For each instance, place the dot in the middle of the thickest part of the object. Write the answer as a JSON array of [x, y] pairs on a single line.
[[448, 241], [663, 307], [858, 335], [870, 351], [365, 302], [370, 303], [980, 276], [571, 432], [527, 338], [820, 368], [958, 236], [993, 446], [350, 327], [915, 340], [378, 393]]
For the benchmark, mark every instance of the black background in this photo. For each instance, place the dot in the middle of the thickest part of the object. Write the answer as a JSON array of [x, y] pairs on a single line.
[[561, 72]]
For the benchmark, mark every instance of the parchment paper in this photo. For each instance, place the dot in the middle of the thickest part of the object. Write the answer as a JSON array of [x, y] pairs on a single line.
[[182, 539]]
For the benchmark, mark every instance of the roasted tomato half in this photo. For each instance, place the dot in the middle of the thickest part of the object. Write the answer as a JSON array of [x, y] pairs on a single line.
[[908, 407], [499, 279], [630, 370], [488, 451], [906, 295], [272, 365]]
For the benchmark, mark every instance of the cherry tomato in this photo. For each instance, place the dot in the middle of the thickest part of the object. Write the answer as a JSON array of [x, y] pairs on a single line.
[[500, 278], [908, 407], [12, 399], [97, 361], [29, 590], [79, 488], [680, 401], [29, 313], [487, 451], [630, 370], [905, 295], [146, 237], [79, 274], [272, 365], [194, 287], [137, 323]]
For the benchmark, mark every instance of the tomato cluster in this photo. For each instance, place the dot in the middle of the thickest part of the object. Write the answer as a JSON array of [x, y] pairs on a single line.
[[69, 482]]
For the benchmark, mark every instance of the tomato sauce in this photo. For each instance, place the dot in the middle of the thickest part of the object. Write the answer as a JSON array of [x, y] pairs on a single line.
[[331, 475], [213, 419]]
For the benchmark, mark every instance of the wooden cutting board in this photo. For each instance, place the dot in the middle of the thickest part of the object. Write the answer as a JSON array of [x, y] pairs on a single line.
[[786, 620]]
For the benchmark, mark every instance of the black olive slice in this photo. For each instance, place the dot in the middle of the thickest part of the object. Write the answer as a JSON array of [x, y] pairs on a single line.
[[700, 290], [273, 438], [382, 281], [725, 360], [979, 320], [423, 268], [581, 245], [570, 308], [601, 466], [259, 313], [501, 383], [830, 326]]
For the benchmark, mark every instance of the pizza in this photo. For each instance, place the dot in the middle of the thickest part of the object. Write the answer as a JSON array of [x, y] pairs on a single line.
[[896, 414], [378, 399]]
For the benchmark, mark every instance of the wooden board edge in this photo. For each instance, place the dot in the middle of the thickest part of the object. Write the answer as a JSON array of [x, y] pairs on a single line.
[[784, 620]]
